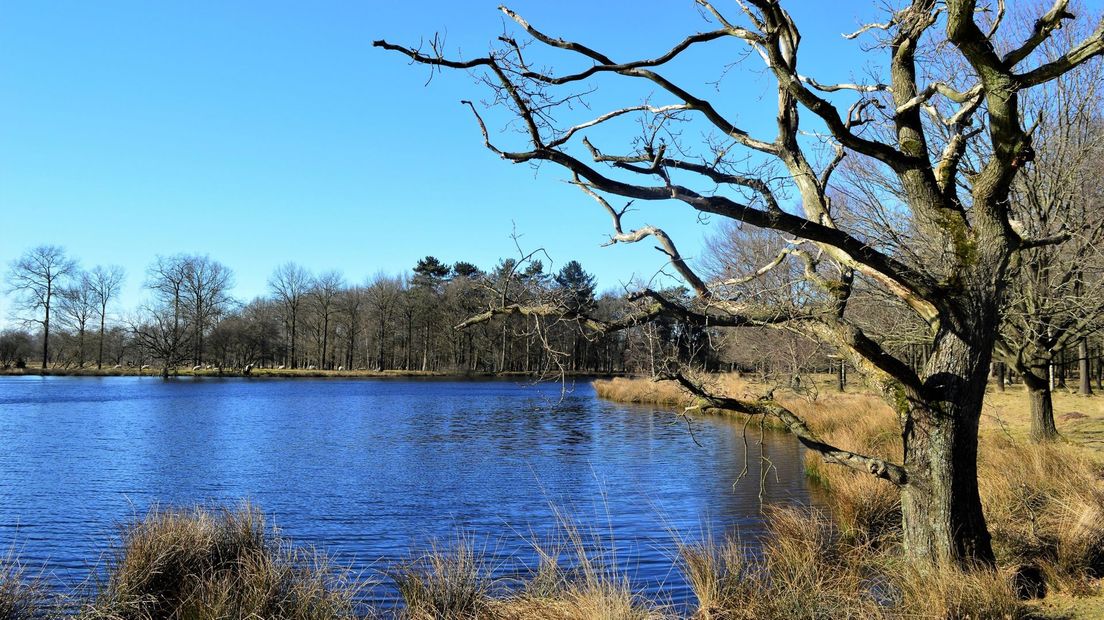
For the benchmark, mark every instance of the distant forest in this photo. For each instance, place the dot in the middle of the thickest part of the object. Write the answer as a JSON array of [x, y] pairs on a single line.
[[69, 317], [514, 317]]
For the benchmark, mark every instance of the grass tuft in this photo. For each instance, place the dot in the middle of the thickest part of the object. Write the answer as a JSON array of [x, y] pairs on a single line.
[[217, 563], [444, 583], [21, 597]]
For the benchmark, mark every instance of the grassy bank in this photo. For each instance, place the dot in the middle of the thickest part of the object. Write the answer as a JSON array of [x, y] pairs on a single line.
[[1044, 504]]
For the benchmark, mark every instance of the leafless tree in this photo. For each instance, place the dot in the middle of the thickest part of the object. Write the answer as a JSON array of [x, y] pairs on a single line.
[[323, 297], [290, 283], [78, 306], [384, 294], [916, 122], [15, 347], [207, 285], [351, 304], [106, 283], [35, 278], [162, 327]]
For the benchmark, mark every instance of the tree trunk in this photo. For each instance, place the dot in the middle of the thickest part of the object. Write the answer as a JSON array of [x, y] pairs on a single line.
[[425, 348], [382, 336], [46, 330], [1001, 373], [942, 518], [99, 354], [294, 360], [1042, 404], [325, 341], [1084, 373]]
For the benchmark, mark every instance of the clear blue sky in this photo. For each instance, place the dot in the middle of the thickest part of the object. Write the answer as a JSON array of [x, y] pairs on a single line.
[[261, 132]]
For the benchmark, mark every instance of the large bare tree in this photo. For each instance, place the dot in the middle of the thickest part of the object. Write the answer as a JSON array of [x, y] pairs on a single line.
[[36, 278], [927, 117]]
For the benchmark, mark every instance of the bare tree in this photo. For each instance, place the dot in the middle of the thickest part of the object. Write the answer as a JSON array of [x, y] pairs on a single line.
[[106, 284], [163, 326], [207, 284], [35, 278], [323, 296], [15, 346], [351, 304], [78, 306], [384, 294], [290, 284], [924, 132]]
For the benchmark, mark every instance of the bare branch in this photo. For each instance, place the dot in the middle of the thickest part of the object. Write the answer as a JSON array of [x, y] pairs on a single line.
[[1091, 47], [872, 26], [614, 114], [1042, 29], [831, 88], [667, 246], [877, 467]]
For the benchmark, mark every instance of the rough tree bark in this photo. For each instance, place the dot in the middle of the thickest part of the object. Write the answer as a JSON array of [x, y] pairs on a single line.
[[1042, 404]]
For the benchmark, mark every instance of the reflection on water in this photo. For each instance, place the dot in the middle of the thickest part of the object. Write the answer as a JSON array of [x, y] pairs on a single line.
[[370, 470]]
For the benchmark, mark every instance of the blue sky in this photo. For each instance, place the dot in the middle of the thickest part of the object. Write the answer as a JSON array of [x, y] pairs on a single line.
[[262, 132]]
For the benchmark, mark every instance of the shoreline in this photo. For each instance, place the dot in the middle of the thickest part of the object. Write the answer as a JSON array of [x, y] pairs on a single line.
[[290, 373]]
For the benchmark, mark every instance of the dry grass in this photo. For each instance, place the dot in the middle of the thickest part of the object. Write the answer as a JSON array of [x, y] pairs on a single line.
[[444, 583], [207, 563], [21, 597], [1080, 419], [1044, 504], [571, 582], [951, 594], [808, 569], [641, 391], [575, 582], [1045, 507]]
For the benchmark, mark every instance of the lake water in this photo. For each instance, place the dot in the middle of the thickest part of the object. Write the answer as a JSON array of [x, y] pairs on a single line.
[[371, 470]]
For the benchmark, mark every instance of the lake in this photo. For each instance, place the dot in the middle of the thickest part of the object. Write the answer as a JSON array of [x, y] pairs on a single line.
[[372, 470]]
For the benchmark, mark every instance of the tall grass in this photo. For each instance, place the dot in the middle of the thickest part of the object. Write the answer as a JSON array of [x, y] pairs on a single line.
[[21, 597], [1044, 505], [809, 569], [572, 581], [444, 583], [217, 563], [578, 578]]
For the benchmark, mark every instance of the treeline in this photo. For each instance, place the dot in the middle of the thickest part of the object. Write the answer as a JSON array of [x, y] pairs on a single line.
[[70, 318]]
